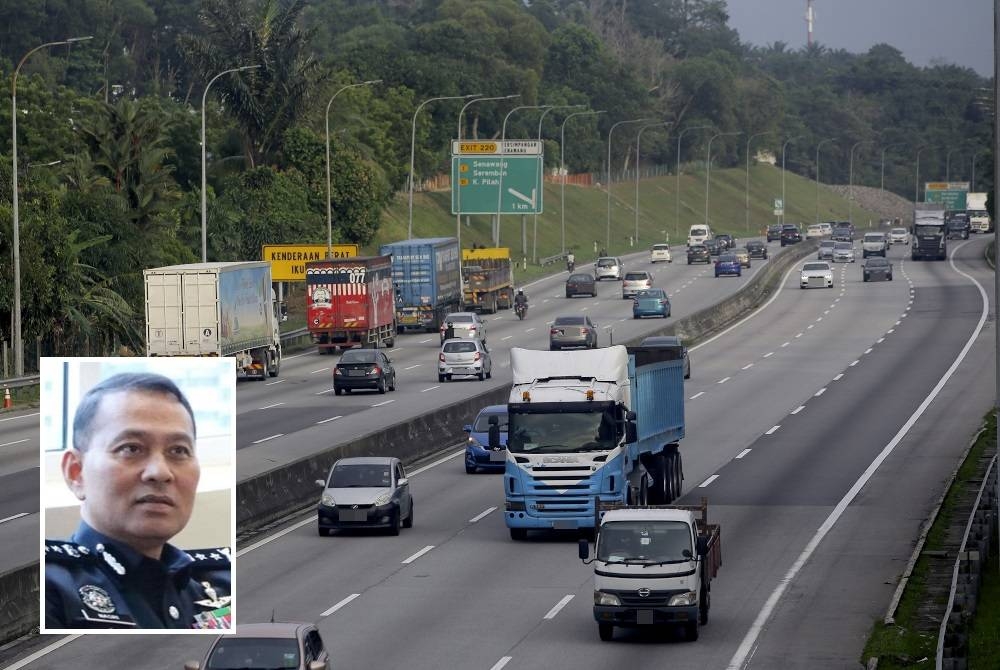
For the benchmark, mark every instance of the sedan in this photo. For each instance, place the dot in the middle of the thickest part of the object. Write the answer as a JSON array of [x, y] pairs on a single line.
[[464, 357], [463, 324], [478, 455], [660, 252], [790, 234], [815, 230], [572, 331], [816, 275], [716, 246], [825, 252], [773, 232], [876, 268], [698, 253], [757, 249], [363, 369], [287, 645], [899, 236], [365, 492], [743, 256], [843, 252], [651, 302], [728, 264], [581, 284], [635, 282]]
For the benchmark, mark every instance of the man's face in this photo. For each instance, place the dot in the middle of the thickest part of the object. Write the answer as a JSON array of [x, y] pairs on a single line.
[[139, 473]]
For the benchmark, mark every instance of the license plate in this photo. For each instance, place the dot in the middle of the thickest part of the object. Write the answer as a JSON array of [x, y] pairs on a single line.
[[498, 456], [644, 617], [355, 373], [353, 515], [564, 524]]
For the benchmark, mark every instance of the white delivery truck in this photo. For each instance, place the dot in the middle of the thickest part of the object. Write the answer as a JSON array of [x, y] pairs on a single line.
[[215, 309], [979, 216]]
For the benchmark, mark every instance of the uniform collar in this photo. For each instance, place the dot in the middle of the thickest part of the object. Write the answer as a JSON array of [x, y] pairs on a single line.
[[124, 559]]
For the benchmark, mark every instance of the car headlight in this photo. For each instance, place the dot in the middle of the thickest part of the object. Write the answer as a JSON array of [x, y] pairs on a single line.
[[473, 442], [327, 500], [383, 499], [680, 600], [602, 598]]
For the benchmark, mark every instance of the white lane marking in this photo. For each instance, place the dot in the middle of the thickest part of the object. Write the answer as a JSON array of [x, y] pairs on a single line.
[[868, 350], [891, 330], [819, 319], [545, 301], [786, 344], [826, 311], [278, 381], [769, 354], [499, 665], [21, 416], [384, 402], [430, 389], [320, 370], [880, 340], [417, 555], [622, 320], [819, 392], [810, 327], [798, 409], [332, 418], [265, 439], [558, 606], [277, 404], [28, 660], [747, 366], [11, 518], [436, 463], [743, 453], [392, 351], [481, 515], [772, 429], [424, 341], [507, 337], [325, 391], [7, 444], [697, 395], [529, 329], [897, 323], [853, 364], [340, 604], [723, 380], [708, 481], [413, 366], [903, 316], [837, 378]]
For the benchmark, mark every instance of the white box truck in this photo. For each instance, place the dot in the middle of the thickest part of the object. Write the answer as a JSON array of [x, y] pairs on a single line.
[[215, 309], [979, 216]]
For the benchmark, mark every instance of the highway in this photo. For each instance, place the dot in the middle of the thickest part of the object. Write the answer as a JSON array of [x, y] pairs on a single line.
[[822, 428]]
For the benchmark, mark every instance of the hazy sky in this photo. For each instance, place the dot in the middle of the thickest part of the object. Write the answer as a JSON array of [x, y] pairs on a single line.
[[959, 32]]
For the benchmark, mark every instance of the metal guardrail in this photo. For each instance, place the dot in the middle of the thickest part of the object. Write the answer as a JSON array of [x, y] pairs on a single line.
[[17, 382], [548, 260]]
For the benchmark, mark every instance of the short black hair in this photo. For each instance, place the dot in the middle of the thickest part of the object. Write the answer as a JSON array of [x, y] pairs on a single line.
[[148, 382]]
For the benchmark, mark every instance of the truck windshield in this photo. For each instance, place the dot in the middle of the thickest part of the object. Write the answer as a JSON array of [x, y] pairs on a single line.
[[562, 432], [928, 229], [644, 542]]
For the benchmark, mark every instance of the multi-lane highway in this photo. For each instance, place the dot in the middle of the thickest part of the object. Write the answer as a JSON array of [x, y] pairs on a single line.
[[821, 428]]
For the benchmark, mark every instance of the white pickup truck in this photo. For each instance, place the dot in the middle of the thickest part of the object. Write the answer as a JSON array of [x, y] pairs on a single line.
[[654, 565]]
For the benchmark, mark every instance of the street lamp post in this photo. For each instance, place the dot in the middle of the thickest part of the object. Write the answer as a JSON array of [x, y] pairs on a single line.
[[850, 181], [503, 137], [818, 145], [329, 207], [15, 241], [204, 201], [784, 205], [413, 150], [882, 165], [947, 162], [607, 241], [562, 173], [972, 180], [638, 140], [747, 190], [916, 184], [708, 166], [534, 233], [677, 193]]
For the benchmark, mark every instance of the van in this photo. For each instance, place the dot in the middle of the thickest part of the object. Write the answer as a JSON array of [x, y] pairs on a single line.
[[699, 234]]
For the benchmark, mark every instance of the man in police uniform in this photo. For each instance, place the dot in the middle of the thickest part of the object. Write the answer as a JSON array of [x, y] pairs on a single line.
[[134, 468]]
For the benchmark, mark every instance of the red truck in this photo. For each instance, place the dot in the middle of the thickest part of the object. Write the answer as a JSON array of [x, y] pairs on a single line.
[[350, 303]]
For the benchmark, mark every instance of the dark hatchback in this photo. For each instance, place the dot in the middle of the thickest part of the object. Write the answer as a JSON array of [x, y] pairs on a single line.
[[790, 234], [774, 232], [728, 264], [581, 284], [364, 369], [729, 240], [842, 233], [876, 268], [756, 249], [478, 455], [716, 246], [698, 253]]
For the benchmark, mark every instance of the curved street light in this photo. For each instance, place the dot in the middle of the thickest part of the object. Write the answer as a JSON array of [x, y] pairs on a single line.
[[562, 172], [607, 242], [784, 205], [916, 184], [818, 145], [882, 164], [850, 181], [972, 180], [638, 140], [503, 137], [708, 166], [534, 233], [747, 189], [677, 191]]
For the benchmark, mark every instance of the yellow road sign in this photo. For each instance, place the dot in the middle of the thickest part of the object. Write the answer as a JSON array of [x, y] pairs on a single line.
[[288, 261], [478, 147]]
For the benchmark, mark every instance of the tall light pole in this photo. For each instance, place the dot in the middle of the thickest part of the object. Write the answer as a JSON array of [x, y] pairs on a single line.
[[638, 140], [413, 150], [850, 181], [818, 145], [747, 189], [784, 205], [534, 234], [204, 201], [882, 164], [916, 185], [607, 242], [15, 241], [677, 194], [457, 187], [708, 166], [562, 173], [503, 136], [947, 162], [329, 208], [972, 180]]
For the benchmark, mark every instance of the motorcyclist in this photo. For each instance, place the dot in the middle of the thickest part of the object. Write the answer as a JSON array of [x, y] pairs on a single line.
[[520, 301], [570, 262]]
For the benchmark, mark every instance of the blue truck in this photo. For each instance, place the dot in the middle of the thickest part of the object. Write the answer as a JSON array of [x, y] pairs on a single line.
[[426, 273], [592, 427]]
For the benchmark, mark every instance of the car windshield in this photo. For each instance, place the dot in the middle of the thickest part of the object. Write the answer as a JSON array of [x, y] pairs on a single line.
[[483, 422], [459, 318], [653, 293], [464, 347], [827, 243], [643, 542], [354, 475], [661, 247], [844, 245], [358, 356], [877, 263], [899, 231], [815, 266], [636, 276], [569, 321], [563, 432], [236, 653], [924, 229], [873, 237], [697, 232]]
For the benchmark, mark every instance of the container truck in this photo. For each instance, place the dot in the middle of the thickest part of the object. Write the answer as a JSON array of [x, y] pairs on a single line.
[[653, 566], [215, 309], [582, 425], [350, 303], [427, 281], [930, 238], [979, 216], [487, 279]]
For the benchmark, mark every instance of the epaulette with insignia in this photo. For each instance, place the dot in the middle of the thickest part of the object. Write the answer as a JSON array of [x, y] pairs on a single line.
[[67, 552], [218, 557]]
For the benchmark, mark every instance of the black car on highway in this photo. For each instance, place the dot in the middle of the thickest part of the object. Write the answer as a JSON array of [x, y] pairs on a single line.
[[729, 240], [698, 253], [364, 369], [581, 283], [716, 246], [774, 232], [876, 267], [756, 249], [790, 234]]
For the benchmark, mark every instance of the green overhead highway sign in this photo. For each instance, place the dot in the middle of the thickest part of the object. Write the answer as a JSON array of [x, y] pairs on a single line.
[[952, 194], [476, 179]]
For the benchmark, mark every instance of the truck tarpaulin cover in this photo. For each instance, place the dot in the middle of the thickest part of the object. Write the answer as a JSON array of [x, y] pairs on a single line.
[[351, 293]]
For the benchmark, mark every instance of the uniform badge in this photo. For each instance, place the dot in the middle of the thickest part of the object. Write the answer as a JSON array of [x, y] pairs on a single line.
[[113, 562], [213, 601], [69, 549], [97, 599]]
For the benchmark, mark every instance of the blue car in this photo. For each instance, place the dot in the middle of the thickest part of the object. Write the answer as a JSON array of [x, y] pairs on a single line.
[[478, 455], [651, 302], [728, 264]]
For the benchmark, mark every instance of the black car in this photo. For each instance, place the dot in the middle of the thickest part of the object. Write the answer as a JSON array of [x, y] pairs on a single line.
[[958, 225], [790, 234], [715, 246], [842, 232], [728, 239], [757, 249], [581, 284], [364, 369], [774, 232], [698, 253], [669, 341], [876, 267]]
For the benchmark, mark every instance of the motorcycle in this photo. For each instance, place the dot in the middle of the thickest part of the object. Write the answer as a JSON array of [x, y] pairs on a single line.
[[570, 265], [521, 309]]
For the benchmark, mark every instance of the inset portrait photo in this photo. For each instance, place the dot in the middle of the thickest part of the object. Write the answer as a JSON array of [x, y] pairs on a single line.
[[138, 494]]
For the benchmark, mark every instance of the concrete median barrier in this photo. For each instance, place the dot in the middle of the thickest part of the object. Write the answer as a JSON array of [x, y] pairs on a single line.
[[18, 601]]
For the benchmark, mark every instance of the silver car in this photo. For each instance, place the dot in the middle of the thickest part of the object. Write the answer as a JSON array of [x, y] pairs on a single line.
[[825, 252], [608, 267], [843, 252], [636, 281], [464, 358], [816, 275], [365, 492], [899, 236], [465, 325]]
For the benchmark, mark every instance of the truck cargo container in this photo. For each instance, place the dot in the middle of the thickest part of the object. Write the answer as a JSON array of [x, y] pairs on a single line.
[[979, 216], [350, 303], [487, 279], [427, 281]]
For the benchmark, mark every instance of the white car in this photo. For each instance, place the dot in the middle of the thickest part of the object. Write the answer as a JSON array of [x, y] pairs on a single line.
[[464, 358], [843, 252], [608, 267], [660, 252], [465, 325], [814, 231], [827, 228], [899, 236], [699, 234], [816, 274]]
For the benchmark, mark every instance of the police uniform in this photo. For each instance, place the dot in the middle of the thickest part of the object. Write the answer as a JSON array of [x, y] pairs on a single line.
[[93, 581]]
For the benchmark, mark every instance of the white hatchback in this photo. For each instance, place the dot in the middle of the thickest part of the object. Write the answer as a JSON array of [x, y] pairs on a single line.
[[660, 252], [899, 236], [608, 267], [814, 231]]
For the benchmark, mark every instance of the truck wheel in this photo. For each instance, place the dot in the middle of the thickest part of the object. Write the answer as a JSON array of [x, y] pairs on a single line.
[[519, 534], [390, 342], [275, 367], [606, 631]]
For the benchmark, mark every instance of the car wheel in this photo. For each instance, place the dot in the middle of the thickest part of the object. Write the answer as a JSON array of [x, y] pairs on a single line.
[[489, 373], [395, 523], [440, 378], [606, 631], [448, 377], [553, 347], [692, 631], [380, 387], [337, 390], [347, 391], [482, 376], [392, 387], [890, 277], [635, 316], [470, 469], [519, 534], [409, 519], [667, 315], [569, 295], [323, 532]]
